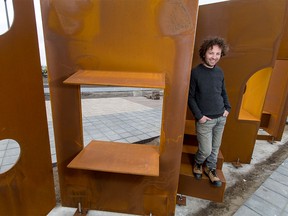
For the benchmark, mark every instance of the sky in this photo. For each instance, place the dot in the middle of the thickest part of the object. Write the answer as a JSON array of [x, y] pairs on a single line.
[[4, 25]]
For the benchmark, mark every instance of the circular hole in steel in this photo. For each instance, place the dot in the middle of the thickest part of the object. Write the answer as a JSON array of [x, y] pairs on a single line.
[[9, 154]]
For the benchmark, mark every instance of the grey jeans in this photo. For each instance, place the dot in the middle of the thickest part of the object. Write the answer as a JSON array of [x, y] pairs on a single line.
[[209, 136]]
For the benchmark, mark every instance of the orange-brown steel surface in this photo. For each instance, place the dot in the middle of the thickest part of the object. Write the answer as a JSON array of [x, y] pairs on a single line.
[[27, 188], [112, 157], [276, 103], [253, 30], [132, 79], [283, 50], [111, 35]]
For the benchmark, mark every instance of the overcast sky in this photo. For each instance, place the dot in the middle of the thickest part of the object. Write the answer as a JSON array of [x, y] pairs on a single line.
[[4, 24]]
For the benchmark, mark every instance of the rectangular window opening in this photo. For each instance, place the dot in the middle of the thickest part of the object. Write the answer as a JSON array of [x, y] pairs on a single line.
[[114, 121], [121, 114]]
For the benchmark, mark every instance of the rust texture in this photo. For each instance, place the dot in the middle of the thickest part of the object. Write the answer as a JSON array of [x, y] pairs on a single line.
[[276, 102], [91, 40], [27, 188], [254, 38], [139, 36]]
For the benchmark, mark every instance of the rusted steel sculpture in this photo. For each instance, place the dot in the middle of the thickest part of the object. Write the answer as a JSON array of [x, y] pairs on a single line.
[[275, 109], [132, 43], [254, 38], [27, 188], [122, 43]]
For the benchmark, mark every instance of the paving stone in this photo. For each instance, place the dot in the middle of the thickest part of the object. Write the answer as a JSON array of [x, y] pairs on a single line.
[[283, 170], [9, 160], [245, 211], [286, 208], [12, 152], [132, 139], [54, 158], [272, 197], [12, 144], [154, 134], [90, 130], [104, 129], [87, 124], [2, 153], [261, 206], [105, 139], [279, 178], [110, 133], [135, 132], [276, 186], [119, 130], [121, 140], [126, 126], [5, 168], [53, 150], [114, 137], [143, 137], [126, 134], [285, 163]]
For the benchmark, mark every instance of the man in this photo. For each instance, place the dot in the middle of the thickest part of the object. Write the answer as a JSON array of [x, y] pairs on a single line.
[[210, 106]]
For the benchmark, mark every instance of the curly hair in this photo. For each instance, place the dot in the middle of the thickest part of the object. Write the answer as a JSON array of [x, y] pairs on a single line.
[[209, 43]]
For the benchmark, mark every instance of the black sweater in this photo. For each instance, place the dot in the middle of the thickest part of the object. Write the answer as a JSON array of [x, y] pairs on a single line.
[[207, 93]]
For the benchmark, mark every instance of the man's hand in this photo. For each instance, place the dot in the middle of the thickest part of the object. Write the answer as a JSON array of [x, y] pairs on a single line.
[[226, 113], [204, 119]]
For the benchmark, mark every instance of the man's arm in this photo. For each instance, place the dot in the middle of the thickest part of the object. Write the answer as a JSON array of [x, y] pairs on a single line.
[[192, 99], [225, 98]]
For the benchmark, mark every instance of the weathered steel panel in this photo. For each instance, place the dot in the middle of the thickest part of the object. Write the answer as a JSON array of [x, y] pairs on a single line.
[[27, 188], [254, 30], [126, 35]]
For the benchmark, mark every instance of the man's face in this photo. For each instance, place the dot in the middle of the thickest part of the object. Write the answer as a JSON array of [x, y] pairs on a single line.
[[212, 56]]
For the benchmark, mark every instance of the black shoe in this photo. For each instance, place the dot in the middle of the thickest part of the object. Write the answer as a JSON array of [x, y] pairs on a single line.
[[214, 179], [197, 171]]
